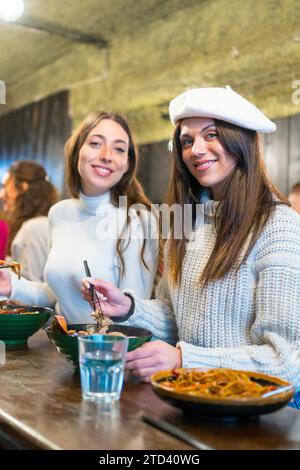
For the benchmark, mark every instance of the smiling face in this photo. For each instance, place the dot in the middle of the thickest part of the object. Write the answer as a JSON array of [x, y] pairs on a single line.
[[203, 154], [103, 158]]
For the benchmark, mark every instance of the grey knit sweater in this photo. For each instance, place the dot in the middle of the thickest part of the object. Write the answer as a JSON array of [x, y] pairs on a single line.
[[248, 320]]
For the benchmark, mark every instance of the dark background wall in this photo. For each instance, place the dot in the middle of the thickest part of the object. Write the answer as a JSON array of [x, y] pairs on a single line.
[[281, 154], [37, 132]]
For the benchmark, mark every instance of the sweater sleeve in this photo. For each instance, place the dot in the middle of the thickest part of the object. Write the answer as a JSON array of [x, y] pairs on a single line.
[[30, 248], [275, 332], [156, 315], [32, 292]]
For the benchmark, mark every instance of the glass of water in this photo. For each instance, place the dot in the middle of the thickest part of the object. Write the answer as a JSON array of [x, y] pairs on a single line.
[[102, 364]]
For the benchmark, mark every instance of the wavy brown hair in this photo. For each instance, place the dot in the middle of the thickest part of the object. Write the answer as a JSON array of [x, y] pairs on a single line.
[[128, 186], [35, 201], [246, 204]]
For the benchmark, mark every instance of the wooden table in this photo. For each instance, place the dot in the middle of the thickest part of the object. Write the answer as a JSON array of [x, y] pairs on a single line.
[[41, 408]]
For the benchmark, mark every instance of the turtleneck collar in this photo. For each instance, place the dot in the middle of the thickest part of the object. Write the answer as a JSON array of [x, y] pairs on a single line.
[[92, 203], [210, 206]]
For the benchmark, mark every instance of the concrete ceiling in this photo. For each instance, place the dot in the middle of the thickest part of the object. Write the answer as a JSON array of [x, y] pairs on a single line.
[[133, 56]]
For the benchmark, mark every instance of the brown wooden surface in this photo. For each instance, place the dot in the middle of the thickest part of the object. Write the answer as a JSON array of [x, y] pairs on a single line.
[[41, 407]]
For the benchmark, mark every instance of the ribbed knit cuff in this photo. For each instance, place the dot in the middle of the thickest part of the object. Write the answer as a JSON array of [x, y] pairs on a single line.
[[130, 312]]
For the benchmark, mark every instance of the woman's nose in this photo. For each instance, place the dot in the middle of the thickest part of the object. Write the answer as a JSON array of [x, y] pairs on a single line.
[[106, 153], [199, 146]]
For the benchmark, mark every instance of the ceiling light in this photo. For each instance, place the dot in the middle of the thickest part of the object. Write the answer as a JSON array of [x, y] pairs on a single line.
[[234, 52], [295, 38], [11, 10]]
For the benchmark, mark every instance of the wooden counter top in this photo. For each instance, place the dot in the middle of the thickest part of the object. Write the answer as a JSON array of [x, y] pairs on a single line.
[[41, 408]]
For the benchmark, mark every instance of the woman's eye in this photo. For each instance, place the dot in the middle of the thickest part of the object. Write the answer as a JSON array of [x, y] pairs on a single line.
[[95, 144], [120, 149], [186, 142], [212, 135]]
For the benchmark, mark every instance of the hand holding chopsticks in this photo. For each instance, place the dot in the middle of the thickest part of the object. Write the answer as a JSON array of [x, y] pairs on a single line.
[[94, 297], [114, 303], [15, 267], [5, 279], [98, 312]]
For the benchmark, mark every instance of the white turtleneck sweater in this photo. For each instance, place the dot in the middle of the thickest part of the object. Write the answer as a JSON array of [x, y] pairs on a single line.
[[30, 247], [82, 229], [250, 319]]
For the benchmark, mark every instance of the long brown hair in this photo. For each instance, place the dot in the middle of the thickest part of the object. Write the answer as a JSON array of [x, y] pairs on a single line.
[[35, 201], [128, 186], [247, 202]]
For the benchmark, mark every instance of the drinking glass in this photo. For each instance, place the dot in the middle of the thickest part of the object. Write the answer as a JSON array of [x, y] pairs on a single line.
[[102, 364]]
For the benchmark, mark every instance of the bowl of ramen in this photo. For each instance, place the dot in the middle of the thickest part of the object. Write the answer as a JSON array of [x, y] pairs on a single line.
[[18, 323], [222, 393], [64, 337]]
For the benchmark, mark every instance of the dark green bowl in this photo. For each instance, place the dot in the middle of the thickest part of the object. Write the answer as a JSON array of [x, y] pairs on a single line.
[[15, 329], [68, 345]]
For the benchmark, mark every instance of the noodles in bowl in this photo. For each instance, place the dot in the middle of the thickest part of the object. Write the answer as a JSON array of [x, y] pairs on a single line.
[[18, 323], [218, 383], [222, 392], [65, 338]]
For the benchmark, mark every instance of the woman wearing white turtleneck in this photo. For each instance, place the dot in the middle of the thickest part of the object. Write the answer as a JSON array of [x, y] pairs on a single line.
[[101, 166]]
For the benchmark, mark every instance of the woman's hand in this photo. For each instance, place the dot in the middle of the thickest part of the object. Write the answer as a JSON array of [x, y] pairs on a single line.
[[5, 282], [153, 357], [113, 302]]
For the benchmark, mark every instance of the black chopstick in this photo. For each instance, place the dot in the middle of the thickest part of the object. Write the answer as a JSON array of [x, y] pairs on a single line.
[[170, 429], [87, 269], [92, 289], [95, 300]]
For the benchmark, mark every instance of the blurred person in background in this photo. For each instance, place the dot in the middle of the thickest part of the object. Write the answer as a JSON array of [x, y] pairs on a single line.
[[294, 197], [27, 197]]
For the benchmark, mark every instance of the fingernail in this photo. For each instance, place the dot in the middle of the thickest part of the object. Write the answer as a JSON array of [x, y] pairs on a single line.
[[101, 296]]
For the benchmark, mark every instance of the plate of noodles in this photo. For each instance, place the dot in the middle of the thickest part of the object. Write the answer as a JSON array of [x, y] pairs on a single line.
[[222, 393]]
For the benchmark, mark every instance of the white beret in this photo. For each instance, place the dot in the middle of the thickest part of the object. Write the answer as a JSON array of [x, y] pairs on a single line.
[[219, 103]]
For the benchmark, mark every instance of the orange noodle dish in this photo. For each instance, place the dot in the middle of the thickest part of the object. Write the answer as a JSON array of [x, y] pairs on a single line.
[[214, 383], [59, 324], [18, 310], [15, 267]]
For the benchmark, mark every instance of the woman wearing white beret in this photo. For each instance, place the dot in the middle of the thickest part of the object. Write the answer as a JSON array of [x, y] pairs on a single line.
[[230, 295]]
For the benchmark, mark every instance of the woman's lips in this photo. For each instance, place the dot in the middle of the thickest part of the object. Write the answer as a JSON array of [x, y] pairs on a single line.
[[202, 166], [101, 170]]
